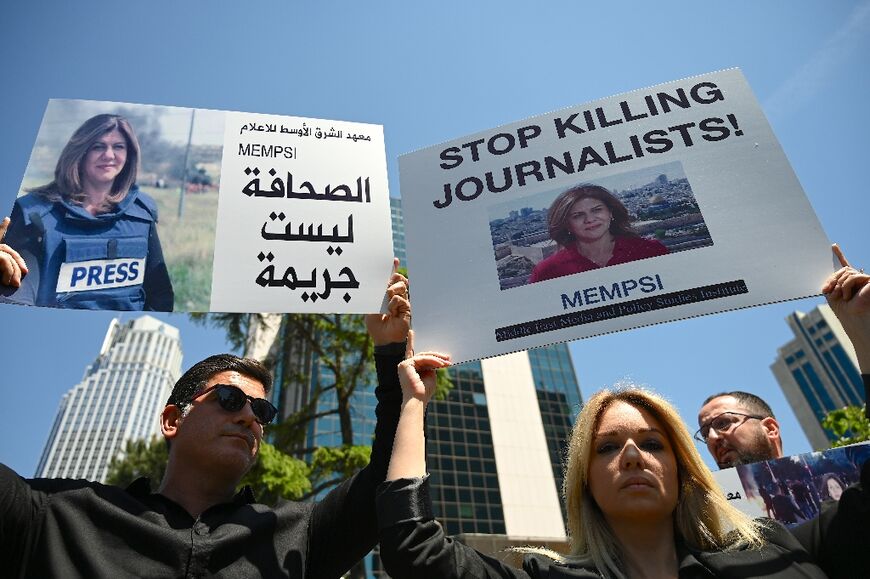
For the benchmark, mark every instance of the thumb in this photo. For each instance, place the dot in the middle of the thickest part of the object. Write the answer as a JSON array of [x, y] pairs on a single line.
[[409, 347]]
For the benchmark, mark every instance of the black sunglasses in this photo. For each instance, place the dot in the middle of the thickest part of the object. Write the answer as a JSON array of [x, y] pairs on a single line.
[[232, 399]]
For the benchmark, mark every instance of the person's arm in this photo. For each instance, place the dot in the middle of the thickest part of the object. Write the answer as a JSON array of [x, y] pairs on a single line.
[[20, 509], [344, 524], [848, 293], [413, 544]]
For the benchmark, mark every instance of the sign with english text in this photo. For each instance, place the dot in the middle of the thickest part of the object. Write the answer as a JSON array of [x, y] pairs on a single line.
[[659, 204]]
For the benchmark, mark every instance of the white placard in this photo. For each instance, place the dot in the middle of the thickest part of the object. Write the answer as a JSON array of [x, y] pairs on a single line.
[[210, 211], [720, 219], [304, 218]]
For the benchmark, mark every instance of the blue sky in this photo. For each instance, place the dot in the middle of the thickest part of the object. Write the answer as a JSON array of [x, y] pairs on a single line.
[[430, 72]]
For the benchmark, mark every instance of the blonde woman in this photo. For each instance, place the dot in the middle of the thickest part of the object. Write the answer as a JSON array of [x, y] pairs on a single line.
[[640, 502]]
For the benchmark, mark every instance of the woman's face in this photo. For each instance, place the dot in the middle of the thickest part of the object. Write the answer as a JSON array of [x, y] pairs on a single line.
[[105, 159], [633, 471], [834, 489], [589, 220]]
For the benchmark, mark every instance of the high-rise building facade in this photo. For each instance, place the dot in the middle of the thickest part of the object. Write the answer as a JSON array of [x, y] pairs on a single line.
[[118, 399], [495, 444], [398, 229], [818, 371]]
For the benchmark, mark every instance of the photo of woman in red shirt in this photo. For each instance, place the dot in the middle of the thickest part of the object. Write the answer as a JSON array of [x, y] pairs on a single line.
[[593, 229]]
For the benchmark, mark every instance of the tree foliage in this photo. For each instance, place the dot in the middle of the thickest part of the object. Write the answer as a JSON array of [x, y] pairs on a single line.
[[274, 475], [849, 425], [277, 475], [139, 458]]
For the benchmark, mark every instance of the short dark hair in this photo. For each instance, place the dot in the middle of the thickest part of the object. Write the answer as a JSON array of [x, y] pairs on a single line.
[[752, 402], [200, 373]]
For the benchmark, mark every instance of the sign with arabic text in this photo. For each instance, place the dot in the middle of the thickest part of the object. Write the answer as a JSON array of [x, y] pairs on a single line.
[[142, 207]]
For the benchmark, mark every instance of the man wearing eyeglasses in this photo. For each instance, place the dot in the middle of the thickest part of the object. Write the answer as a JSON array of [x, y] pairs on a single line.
[[195, 524], [740, 428]]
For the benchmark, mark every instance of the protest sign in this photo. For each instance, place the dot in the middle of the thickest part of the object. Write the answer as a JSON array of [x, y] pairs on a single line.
[[792, 489], [207, 211], [646, 207]]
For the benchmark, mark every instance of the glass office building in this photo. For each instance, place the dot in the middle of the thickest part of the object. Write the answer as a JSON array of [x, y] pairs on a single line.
[[495, 444], [818, 371], [467, 438], [119, 399]]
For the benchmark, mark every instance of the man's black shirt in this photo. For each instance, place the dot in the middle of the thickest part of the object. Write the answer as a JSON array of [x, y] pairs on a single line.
[[76, 528]]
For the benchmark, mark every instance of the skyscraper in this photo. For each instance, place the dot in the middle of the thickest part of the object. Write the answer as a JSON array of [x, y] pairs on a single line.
[[398, 229], [818, 371], [119, 398], [496, 443]]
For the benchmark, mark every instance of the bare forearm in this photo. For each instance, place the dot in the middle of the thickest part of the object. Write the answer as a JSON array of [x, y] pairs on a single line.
[[409, 447]]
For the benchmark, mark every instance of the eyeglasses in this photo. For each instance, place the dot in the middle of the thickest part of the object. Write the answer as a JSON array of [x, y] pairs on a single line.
[[232, 399], [723, 423]]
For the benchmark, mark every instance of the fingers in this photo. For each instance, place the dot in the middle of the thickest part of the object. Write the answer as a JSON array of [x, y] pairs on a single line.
[[851, 284], [12, 265], [10, 272], [840, 256], [398, 304], [831, 283], [398, 308], [409, 345], [423, 363], [417, 374], [428, 361], [834, 280], [15, 256], [398, 286]]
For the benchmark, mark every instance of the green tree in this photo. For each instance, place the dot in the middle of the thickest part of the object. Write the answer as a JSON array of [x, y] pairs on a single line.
[[275, 475], [139, 458], [849, 425]]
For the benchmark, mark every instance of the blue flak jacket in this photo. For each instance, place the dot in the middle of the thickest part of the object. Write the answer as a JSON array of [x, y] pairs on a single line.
[[111, 261]]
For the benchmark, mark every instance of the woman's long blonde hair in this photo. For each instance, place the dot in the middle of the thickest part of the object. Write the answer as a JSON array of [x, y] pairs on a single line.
[[703, 518]]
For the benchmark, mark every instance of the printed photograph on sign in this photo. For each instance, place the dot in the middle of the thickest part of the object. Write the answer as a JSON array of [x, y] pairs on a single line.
[[792, 490], [594, 224], [132, 207], [117, 208]]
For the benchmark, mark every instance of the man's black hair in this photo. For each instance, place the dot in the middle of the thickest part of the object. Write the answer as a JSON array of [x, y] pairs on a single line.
[[752, 402], [200, 373]]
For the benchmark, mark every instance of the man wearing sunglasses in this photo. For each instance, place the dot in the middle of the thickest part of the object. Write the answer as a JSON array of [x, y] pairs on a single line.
[[196, 524]]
